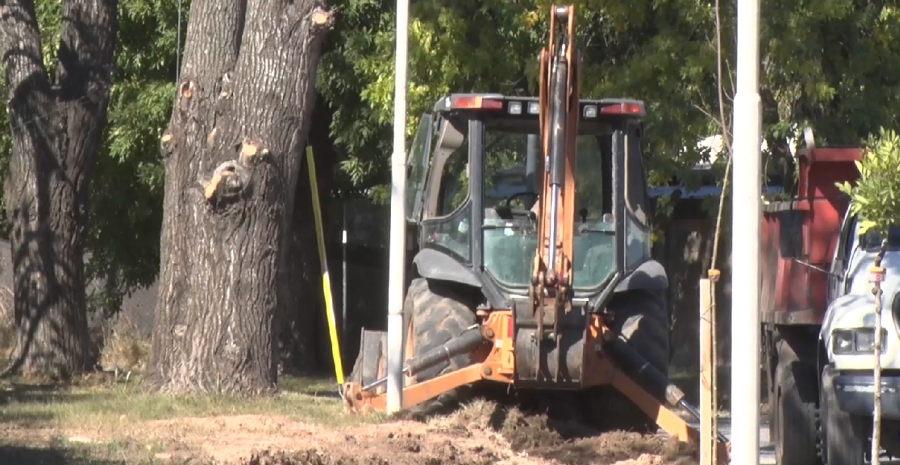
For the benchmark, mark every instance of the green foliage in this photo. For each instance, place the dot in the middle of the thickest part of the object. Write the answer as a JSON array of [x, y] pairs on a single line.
[[464, 46], [876, 196], [126, 189], [832, 65], [825, 64]]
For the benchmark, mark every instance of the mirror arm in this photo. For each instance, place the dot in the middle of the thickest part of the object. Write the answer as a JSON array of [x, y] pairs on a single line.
[[823, 270]]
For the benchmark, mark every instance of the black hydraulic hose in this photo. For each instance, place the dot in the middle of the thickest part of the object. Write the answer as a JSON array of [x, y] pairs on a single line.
[[637, 366], [558, 121], [464, 343], [557, 154]]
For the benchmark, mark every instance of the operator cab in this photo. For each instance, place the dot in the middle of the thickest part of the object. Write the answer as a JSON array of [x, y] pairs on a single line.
[[475, 161]]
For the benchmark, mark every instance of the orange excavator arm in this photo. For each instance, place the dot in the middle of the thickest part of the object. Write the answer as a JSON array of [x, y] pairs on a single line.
[[560, 93]]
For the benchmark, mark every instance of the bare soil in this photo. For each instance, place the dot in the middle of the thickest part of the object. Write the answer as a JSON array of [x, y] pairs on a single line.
[[109, 424], [480, 433]]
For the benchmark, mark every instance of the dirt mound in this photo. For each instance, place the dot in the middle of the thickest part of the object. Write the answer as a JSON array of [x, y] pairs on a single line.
[[479, 433], [258, 440], [314, 457], [570, 442]]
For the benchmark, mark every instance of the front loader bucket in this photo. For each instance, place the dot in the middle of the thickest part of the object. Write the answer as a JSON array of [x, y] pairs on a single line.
[[371, 363]]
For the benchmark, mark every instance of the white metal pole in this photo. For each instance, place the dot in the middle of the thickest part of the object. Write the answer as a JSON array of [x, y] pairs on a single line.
[[344, 274], [398, 219], [745, 241]]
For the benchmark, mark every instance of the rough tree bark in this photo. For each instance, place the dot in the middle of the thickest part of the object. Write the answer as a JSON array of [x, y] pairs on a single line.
[[232, 151], [56, 132]]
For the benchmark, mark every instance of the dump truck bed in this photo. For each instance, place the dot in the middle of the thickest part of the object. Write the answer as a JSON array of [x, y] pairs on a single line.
[[798, 238]]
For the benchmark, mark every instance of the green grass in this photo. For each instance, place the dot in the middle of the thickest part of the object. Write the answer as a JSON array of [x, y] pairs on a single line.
[[101, 405], [30, 406], [689, 382]]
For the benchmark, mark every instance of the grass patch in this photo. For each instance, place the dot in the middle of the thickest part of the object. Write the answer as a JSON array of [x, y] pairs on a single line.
[[689, 382], [108, 417], [101, 419], [106, 404]]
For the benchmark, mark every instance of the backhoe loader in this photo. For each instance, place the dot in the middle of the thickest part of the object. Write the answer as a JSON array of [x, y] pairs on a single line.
[[533, 267]]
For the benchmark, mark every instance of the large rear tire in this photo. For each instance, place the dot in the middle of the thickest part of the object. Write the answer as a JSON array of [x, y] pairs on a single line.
[[436, 312], [642, 318]]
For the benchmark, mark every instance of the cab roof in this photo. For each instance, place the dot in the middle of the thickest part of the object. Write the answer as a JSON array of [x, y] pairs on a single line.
[[512, 105]]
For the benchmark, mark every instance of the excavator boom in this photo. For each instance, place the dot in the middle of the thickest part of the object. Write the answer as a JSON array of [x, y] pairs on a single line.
[[558, 118], [559, 96]]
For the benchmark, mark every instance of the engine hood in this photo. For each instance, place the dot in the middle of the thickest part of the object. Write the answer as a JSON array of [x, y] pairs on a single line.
[[856, 309]]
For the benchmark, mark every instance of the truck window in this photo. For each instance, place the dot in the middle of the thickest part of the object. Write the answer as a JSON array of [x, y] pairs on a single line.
[[848, 240], [871, 241]]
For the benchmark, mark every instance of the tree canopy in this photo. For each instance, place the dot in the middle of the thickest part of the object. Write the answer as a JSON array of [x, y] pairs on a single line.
[[824, 64], [833, 65]]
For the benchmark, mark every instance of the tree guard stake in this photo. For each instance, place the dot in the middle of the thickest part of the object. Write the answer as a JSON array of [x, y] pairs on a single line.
[[323, 261], [876, 277]]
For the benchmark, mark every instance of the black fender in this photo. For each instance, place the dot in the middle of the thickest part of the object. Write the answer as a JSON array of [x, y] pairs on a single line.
[[435, 265], [432, 264], [650, 276]]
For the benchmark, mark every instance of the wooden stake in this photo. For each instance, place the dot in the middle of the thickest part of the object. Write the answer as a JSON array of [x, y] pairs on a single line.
[[708, 452], [876, 276]]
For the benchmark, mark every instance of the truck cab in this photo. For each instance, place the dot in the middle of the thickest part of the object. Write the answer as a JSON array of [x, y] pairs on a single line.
[[848, 339]]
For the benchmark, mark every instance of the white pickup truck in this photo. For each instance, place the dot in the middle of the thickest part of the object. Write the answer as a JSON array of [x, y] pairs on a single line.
[[848, 336]]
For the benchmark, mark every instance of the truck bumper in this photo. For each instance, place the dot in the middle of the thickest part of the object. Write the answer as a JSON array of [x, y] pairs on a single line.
[[854, 395]]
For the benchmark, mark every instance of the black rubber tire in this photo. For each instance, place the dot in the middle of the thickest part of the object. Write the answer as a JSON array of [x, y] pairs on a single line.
[[642, 318], [842, 437], [795, 414], [438, 311], [771, 396]]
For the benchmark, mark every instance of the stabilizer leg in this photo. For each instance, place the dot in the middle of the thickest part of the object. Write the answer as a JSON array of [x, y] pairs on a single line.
[[668, 420], [361, 395], [364, 401]]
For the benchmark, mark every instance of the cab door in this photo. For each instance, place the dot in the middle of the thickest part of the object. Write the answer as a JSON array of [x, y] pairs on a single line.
[[417, 164], [837, 279]]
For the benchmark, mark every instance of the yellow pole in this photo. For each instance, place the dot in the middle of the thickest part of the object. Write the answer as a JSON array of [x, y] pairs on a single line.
[[326, 282]]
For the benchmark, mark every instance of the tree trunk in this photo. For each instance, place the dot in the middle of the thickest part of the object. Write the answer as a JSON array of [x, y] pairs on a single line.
[[232, 152], [56, 132]]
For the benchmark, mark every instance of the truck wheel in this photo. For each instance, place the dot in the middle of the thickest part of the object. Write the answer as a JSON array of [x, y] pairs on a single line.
[[842, 437], [436, 312], [794, 426], [642, 318]]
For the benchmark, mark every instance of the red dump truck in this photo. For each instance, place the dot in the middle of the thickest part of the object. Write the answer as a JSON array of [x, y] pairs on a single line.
[[817, 315]]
